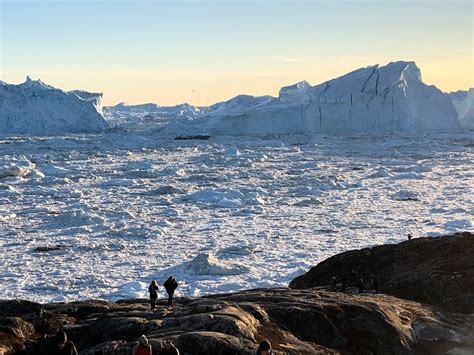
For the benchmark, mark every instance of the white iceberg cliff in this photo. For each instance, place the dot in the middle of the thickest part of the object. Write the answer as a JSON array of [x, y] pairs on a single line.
[[375, 99], [34, 107], [463, 101]]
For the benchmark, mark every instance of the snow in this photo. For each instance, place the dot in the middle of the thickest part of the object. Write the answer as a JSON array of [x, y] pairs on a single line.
[[380, 99], [34, 107], [225, 222], [463, 101]]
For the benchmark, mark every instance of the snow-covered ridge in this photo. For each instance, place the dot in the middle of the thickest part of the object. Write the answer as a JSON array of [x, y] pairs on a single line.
[[463, 101], [34, 107], [390, 98]]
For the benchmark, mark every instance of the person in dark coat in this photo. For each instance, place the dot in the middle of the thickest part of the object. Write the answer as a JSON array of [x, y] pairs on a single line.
[[170, 286], [168, 348], [333, 283], [360, 285], [153, 289], [265, 348], [343, 282], [376, 284], [61, 346]]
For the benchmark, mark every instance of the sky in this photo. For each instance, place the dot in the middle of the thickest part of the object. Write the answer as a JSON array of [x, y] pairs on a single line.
[[202, 52]]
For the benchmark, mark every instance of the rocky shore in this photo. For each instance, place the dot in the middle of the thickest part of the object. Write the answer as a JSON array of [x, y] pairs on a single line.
[[433, 313]]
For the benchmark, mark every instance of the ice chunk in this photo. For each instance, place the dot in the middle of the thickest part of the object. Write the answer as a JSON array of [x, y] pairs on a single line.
[[209, 264], [134, 289], [405, 195]]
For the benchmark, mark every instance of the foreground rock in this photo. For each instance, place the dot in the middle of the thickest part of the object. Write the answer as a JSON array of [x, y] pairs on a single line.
[[437, 271], [295, 321]]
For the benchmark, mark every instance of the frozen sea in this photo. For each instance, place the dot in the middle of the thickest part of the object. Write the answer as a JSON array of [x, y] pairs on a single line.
[[225, 214]]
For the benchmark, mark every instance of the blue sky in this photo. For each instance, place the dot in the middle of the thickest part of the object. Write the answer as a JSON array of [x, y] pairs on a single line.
[[206, 51]]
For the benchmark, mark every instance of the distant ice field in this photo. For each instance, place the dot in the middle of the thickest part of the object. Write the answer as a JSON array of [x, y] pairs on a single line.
[[100, 216]]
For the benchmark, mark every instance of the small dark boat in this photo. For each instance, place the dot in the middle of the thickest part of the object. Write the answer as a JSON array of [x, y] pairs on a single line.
[[187, 137]]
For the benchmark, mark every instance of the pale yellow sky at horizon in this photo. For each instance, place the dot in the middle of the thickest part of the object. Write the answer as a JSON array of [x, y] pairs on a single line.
[[206, 88]]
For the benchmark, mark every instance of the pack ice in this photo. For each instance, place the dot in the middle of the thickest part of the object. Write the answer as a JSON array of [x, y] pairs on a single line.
[[34, 107], [390, 98], [463, 101]]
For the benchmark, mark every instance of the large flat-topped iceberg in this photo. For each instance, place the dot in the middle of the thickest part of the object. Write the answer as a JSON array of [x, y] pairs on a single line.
[[34, 107], [389, 98]]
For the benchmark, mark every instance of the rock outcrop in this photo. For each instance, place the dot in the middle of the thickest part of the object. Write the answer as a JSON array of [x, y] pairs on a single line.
[[436, 271], [311, 321]]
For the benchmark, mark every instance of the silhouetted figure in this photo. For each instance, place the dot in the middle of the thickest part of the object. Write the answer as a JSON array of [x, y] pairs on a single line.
[[143, 348], [353, 276], [170, 286], [360, 285], [265, 348], [153, 289], [169, 348], [61, 346], [409, 236], [376, 284], [343, 279], [333, 283]]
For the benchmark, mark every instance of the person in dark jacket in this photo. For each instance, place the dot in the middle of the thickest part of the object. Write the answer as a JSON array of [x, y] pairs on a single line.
[[153, 289], [376, 283], [333, 283], [170, 286], [265, 348], [168, 348], [61, 346], [360, 285]]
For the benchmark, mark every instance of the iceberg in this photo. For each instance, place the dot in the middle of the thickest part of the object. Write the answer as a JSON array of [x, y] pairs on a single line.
[[375, 99], [209, 264], [463, 101], [34, 107], [147, 116]]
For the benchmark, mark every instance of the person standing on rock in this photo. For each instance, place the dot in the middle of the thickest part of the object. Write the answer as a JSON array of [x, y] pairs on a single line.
[[143, 348], [376, 284], [61, 346], [265, 348], [168, 348], [153, 289], [343, 278], [333, 283], [170, 285], [360, 285]]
